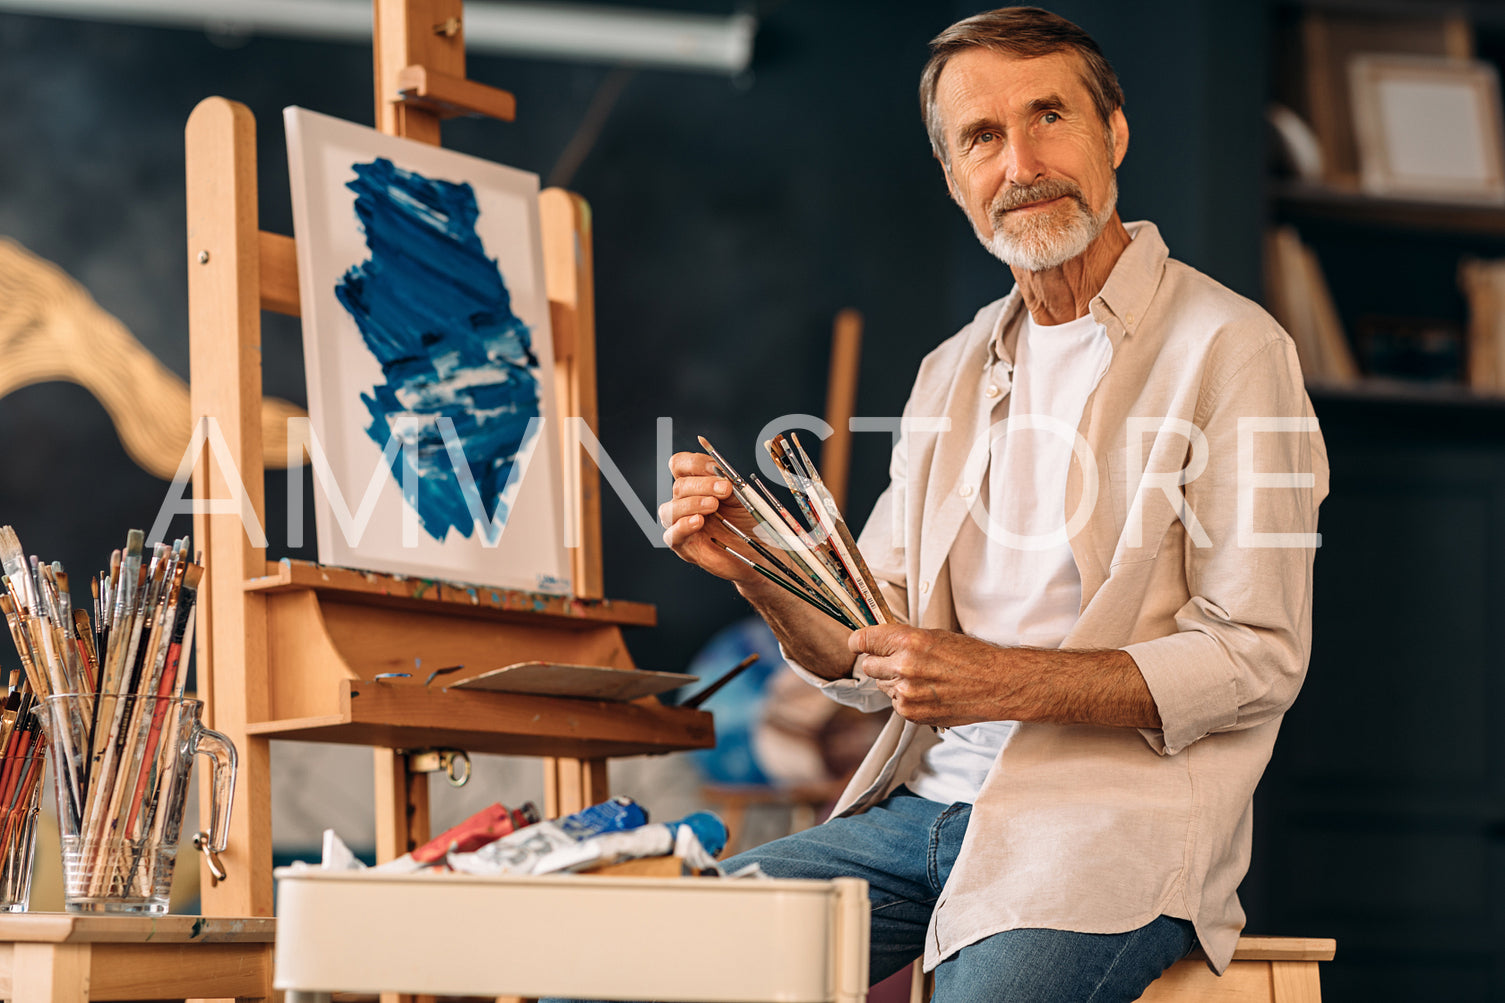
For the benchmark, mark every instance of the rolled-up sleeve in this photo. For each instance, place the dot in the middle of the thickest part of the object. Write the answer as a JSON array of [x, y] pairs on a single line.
[[1242, 641], [856, 690]]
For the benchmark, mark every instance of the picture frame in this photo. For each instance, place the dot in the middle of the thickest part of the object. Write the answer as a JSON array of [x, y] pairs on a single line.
[[1428, 128], [428, 351], [1313, 76]]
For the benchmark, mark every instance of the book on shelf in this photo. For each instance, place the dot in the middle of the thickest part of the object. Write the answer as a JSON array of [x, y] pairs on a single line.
[[1483, 284], [1298, 297]]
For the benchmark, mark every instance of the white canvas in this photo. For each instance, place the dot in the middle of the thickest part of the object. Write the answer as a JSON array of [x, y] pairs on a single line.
[[417, 272]]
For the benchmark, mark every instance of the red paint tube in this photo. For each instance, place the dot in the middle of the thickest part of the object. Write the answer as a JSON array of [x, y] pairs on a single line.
[[475, 832]]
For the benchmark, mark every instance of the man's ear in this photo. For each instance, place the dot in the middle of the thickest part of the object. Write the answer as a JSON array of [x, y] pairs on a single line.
[[946, 171], [1120, 127]]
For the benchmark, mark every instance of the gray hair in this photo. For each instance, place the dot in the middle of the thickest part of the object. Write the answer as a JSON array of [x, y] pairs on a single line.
[[1023, 32]]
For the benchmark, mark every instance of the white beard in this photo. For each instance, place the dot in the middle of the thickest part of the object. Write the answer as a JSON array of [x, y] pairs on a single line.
[[1048, 242]]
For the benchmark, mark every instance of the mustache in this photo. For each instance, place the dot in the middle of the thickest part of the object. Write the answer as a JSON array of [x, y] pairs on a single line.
[[1041, 191]]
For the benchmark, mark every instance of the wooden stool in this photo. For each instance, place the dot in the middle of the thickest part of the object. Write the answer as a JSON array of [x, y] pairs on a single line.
[[57, 957], [1264, 970]]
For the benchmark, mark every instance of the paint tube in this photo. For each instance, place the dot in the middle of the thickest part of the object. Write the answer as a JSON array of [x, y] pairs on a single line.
[[483, 827], [475, 832], [696, 839], [520, 852]]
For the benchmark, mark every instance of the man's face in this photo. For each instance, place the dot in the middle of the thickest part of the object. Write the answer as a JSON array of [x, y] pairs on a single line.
[[1031, 163]]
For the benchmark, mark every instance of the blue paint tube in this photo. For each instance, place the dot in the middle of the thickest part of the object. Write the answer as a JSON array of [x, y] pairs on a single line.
[[696, 839], [521, 851]]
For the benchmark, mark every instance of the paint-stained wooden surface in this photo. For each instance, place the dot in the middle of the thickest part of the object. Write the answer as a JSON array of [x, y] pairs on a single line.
[[400, 591], [62, 958]]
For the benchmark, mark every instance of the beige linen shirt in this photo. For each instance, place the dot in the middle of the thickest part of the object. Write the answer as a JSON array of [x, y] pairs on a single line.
[[1207, 586]]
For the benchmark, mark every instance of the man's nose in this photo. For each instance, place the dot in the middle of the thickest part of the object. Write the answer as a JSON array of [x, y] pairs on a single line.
[[1022, 162]]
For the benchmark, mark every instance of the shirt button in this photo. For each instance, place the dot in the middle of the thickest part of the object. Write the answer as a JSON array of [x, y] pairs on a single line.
[[966, 491], [992, 390], [924, 587], [1129, 318]]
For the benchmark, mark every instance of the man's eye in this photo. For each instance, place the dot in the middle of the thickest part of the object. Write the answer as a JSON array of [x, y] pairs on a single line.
[[1050, 117], [986, 137]]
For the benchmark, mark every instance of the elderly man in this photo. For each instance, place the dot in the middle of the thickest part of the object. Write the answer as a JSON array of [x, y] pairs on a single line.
[[1099, 532]]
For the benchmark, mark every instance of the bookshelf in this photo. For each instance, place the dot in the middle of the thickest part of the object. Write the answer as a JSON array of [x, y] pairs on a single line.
[[1298, 202], [1354, 826]]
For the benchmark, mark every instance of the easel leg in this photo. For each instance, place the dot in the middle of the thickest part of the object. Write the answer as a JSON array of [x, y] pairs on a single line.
[[51, 973], [402, 821], [402, 806], [572, 784]]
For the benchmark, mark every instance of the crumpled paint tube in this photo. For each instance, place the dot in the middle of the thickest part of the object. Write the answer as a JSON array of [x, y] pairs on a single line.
[[475, 832], [483, 827], [520, 852], [696, 839]]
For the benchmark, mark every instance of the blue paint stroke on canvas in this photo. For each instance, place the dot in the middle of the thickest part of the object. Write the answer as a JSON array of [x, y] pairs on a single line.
[[434, 310]]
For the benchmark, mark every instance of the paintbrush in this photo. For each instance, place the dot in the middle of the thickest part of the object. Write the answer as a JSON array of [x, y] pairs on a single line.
[[90, 655], [822, 535], [763, 552], [62, 608], [845, 543], [144, 706], [783, 536], [150, 821], [791, 579], [818, 547], [8, 725], [802, 485], [34, 677], [13, 559], [107, 741], [833, 612], [710, 691]]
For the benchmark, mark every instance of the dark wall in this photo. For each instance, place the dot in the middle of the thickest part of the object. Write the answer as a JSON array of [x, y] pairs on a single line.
[[733, 219]]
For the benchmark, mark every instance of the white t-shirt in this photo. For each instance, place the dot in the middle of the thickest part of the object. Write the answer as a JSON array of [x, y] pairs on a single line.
[[1013, 579]]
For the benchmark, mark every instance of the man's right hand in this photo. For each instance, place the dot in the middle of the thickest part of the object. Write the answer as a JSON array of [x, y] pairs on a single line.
[[810, 638], [691, 530]]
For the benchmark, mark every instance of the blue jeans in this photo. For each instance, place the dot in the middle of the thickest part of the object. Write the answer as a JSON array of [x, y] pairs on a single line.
[[905, 847]]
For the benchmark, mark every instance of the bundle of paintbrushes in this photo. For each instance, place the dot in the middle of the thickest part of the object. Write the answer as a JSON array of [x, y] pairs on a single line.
[[110, 679], [815, 560], [23, 748]]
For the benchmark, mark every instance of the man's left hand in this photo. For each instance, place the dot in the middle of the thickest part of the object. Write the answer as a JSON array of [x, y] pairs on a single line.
[[941, 678], [936, 676]]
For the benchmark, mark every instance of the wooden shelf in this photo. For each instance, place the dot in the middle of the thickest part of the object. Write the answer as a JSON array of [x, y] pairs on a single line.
[[408, 715], [428, 595], [1295, 201]]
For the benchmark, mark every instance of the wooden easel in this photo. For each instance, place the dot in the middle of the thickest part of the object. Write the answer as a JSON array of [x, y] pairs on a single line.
[[290, 649]]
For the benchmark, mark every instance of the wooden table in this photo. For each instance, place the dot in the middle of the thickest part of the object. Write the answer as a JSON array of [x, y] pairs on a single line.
[[46, 957]]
